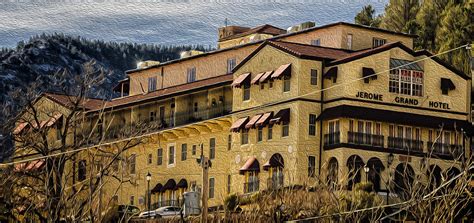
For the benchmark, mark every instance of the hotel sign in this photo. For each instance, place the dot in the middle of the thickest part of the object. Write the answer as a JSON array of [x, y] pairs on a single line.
[[403, 100]]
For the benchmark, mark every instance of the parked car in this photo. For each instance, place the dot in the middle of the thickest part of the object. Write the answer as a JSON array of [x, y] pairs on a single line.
[[168, 211], [148, 214]]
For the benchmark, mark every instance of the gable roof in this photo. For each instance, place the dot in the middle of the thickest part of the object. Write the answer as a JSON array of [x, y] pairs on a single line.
[[300, 50], [264, 29], [368, 52]]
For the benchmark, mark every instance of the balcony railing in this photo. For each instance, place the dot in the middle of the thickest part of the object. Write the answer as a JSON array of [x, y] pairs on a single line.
[[251, 186], [176, 203], [275, 182], [144, 126], [445, 148], [359, 138], [332, 138], [405, 144]]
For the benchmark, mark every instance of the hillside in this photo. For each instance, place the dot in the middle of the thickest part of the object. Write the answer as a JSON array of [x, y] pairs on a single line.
[[46, 54]]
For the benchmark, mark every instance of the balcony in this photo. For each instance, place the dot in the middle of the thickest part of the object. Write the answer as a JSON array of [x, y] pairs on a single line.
[[359, 138], [445, 148], [405, 144], [251, 186], [332, 139], [145, 126], [275, 182]]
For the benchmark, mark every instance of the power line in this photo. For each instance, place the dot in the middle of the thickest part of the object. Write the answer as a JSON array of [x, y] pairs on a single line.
[[242, 111]]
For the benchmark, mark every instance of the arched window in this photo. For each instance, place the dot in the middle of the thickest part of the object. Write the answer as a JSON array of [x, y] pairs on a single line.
[[275, 167], [375, 168], [355, 164], [81, 170], [450, 174], [404, 177], [333, 168]]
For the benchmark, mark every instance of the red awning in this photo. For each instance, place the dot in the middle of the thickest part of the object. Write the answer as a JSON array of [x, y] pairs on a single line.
[[54, 119], [283, 70], [242, 79], [28, 166], [252, 121], [256, 79], [250, 165], [265, 76], [282, 116], [264, 119], [239, 124], [20, 128]]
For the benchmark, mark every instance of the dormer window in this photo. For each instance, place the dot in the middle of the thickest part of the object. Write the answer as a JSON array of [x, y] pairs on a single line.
[[191, 74], [376, 42]]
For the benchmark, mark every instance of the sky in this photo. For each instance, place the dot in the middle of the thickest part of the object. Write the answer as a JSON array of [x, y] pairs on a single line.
[[163, 21]]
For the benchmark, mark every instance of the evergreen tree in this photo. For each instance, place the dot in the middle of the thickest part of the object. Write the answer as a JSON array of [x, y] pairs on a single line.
[[400, 16], [367, 17], [456, 29], [428, 19]]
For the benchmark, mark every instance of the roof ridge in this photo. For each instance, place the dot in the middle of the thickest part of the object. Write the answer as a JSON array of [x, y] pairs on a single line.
[[315, 46]]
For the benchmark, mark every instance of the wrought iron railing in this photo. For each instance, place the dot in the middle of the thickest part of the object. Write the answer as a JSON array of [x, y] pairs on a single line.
[[445, 148], [360, 138], [405, 144]]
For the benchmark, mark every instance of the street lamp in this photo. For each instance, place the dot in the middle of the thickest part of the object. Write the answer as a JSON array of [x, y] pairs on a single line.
[[148, 178], [366, 170]]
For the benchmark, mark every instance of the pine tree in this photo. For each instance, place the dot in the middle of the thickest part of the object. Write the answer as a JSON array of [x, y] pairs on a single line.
[[428, 19], [456, 29], [400, 16], [367, 17]]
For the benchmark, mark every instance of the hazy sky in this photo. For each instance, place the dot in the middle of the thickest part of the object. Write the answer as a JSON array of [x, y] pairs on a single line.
[[163, 21]]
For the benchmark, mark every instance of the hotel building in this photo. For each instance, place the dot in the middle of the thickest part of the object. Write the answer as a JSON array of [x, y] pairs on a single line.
[[272, 108]]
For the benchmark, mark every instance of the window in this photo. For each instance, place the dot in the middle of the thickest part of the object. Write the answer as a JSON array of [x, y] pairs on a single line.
[[211, 187], [312, 124], [314, 77], [58, 131], [132, 200], [184, 151], [194, 150], [316, 42], [286, 83], [246, 92], [285, 129], [152, 116], [171, 155], [270, 84], [81, 170], [159, 157], [270, 132], [132, 163], [244, 137], [259, 134], [212, 148], [409, 82], [376, 42], [191, 74], [262, 86], [230, 65], [150, 158], [196, 107], [252, 183], [349, 41], [229, 178], [162, 113], [151, 84], [311, 166], [229, 142]]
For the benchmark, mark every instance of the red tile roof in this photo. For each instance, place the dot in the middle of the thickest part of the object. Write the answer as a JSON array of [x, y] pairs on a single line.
[[68, 101], [305, 50], [222, 79]]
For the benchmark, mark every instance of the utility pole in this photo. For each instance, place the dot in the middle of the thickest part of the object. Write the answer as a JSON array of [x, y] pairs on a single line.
[[205, 164]]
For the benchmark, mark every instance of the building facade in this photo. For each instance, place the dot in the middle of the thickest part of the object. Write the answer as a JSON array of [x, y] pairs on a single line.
[[319, 102]]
